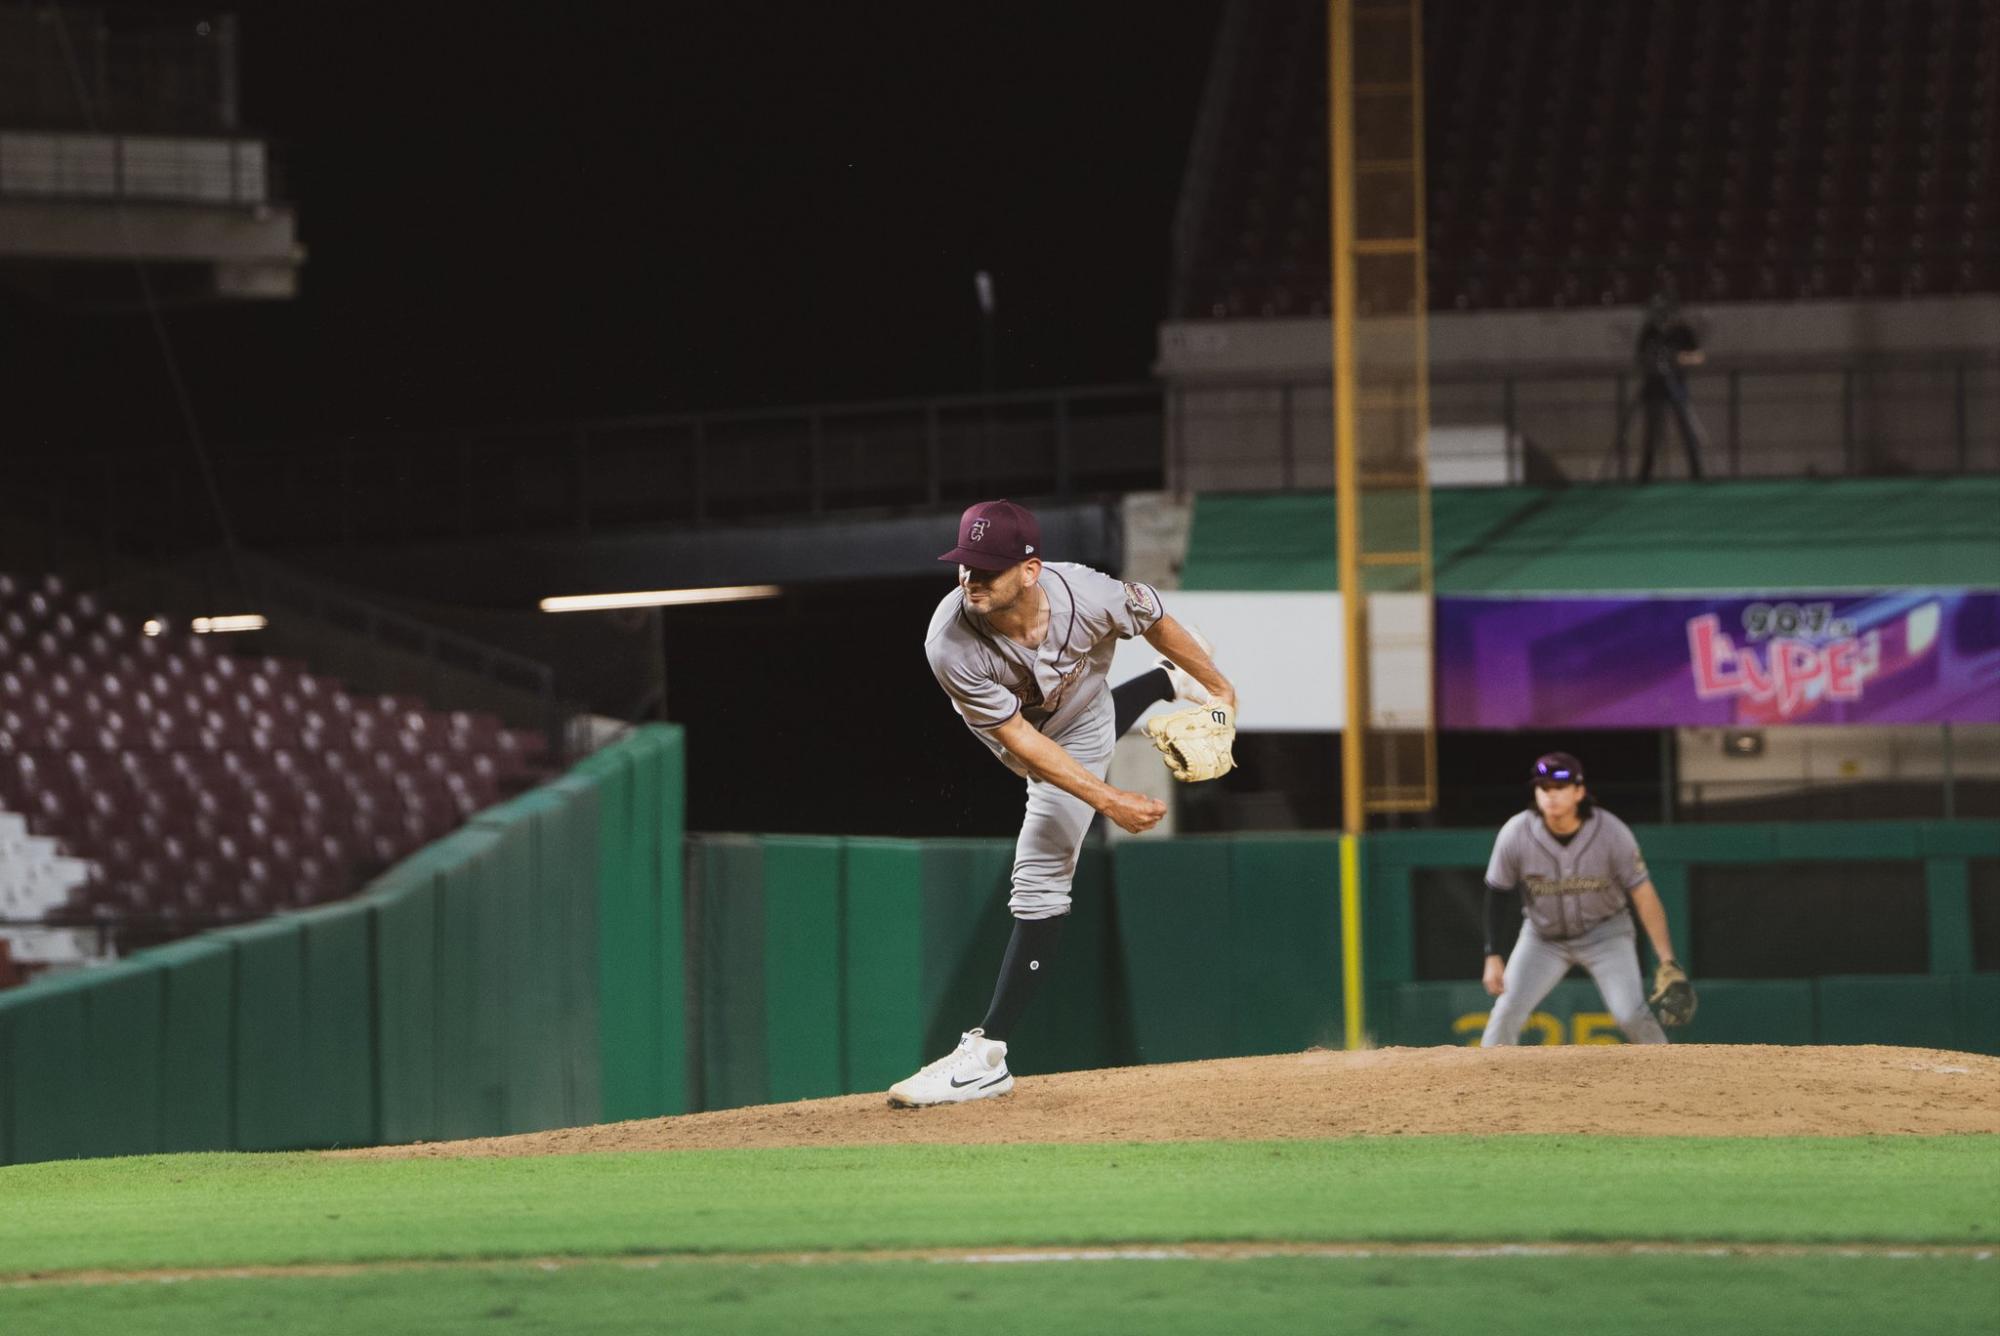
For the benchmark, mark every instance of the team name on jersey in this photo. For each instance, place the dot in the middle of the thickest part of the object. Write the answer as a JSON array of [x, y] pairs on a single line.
[[1030, 694], [1538, 887]]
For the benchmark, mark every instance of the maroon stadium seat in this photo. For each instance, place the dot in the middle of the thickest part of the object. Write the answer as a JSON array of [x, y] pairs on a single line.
[[204, 785]]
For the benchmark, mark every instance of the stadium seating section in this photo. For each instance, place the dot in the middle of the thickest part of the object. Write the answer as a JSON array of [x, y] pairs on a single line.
[[163, 784], [1581, 152]]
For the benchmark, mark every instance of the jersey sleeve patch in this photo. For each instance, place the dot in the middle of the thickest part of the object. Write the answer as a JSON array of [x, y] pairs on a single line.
[[1142, 601]]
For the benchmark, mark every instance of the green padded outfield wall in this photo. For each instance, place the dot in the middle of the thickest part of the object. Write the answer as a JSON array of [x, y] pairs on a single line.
[[1951, 1006], [643, 1042], [491, 983], [48, 1114], [802, 935], [475, 987], [875, 953], [197, 979], [826, 965], [832, 965]]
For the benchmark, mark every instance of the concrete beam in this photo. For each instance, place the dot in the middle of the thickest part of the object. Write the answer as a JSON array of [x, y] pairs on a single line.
[[89, 230], [518, 572]]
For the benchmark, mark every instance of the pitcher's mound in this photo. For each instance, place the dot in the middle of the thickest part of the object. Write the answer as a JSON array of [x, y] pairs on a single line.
[[1680, 1090]]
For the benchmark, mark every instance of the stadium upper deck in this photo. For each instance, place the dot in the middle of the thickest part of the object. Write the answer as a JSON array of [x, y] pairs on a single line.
[[1581, 153]]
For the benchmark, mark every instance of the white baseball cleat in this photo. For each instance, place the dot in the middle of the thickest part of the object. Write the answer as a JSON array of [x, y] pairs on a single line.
[[1185, 687], [976, 1069]]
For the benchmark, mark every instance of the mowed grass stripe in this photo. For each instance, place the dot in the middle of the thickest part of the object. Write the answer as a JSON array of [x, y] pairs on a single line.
[[1190, 1252], [1640, 1296], [202, 1211]]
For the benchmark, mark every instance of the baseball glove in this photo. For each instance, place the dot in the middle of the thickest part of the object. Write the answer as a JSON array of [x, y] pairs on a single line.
[[1673, 995], [1196, 741]]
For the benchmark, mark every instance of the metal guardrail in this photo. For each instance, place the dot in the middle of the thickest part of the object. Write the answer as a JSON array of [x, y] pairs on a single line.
[[1788, 418], [585, 477], [265, 586], [273, 584], [145, 169], [1769, 418], [1832, 388]]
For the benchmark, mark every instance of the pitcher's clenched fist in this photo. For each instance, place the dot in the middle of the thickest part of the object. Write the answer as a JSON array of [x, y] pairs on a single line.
[[1135, 812]]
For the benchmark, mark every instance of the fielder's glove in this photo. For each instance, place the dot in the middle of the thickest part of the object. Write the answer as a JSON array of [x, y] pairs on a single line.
[[1196, 741], [1672, 994]]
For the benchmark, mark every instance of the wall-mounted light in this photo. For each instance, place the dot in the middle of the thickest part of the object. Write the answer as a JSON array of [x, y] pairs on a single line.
[[658, 598], [153, 626], [241, 621], [1745, 742]]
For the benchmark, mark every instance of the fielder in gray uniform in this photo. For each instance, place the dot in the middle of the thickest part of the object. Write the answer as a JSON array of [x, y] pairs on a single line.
[[1576, 869], [1022, 648]]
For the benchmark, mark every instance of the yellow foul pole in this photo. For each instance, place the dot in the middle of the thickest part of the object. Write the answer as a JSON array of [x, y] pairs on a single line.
[[1347, 502]]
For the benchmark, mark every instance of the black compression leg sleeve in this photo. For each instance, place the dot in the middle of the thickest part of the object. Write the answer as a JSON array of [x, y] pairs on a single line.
[[1130, 699], [1029, 955]]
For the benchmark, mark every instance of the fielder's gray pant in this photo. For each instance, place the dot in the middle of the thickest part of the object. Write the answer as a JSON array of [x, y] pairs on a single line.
[[1052, 831], [1537, 966]]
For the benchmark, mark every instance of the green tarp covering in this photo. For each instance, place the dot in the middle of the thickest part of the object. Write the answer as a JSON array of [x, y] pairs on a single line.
[[1795, 535]]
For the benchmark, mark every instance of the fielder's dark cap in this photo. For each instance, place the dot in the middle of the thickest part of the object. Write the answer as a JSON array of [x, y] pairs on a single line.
[[1558, 768], [994, 535]]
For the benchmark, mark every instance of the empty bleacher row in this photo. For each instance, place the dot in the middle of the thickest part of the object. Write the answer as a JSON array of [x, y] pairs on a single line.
[[1579, 151], [183, 785]]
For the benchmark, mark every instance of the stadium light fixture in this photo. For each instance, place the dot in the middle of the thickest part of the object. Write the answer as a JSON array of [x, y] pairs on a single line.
[[241, 621], [658, 598]]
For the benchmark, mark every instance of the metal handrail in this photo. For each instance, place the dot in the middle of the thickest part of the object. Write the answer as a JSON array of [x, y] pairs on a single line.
[[119, 189], [597, 474], [318, 600], [269, 584], [569, 428], [1719, 386], [582, 477]]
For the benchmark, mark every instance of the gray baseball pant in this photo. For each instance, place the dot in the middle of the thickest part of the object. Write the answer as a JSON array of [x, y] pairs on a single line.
[[1538, 965], [1052, 831]]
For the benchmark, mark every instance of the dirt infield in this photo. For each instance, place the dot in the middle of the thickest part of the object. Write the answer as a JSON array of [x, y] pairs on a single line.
[[1682, 1090]]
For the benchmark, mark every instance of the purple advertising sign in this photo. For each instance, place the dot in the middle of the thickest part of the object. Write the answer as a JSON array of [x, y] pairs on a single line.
[[1904, 657]]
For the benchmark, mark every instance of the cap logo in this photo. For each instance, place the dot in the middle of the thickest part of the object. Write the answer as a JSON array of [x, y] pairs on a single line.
[[977, 532]]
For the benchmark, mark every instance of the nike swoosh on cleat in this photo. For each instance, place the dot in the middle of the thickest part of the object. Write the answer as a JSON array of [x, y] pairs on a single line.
[[957, 1084]]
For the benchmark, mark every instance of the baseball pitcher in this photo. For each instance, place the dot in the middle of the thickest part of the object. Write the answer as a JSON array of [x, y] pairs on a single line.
[[1022, 647], [1575, 868]]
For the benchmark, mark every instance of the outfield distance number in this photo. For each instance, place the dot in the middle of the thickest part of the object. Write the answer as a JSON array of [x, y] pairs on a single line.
[[1585, 1027]]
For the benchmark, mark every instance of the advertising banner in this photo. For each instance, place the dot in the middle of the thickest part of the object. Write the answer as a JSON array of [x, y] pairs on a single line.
[[1900, 657]]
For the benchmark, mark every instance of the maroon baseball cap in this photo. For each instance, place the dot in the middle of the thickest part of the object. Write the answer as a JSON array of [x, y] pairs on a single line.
[[994, 535], [1558, 768]]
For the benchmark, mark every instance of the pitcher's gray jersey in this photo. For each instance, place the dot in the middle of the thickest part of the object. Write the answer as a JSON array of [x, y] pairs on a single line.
[[1057, 686], [1566, 890]]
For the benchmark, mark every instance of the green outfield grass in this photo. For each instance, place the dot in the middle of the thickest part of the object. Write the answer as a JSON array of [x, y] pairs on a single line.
[[1644, 1296], [225, 1210], [219, 1211]]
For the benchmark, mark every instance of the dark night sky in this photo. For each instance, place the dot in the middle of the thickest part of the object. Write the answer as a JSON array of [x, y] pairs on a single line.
[[540, 212]]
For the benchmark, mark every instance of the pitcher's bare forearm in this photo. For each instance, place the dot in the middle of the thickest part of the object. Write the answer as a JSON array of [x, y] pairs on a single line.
[[1172, 639], [1048, 761], [1653, 917]]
